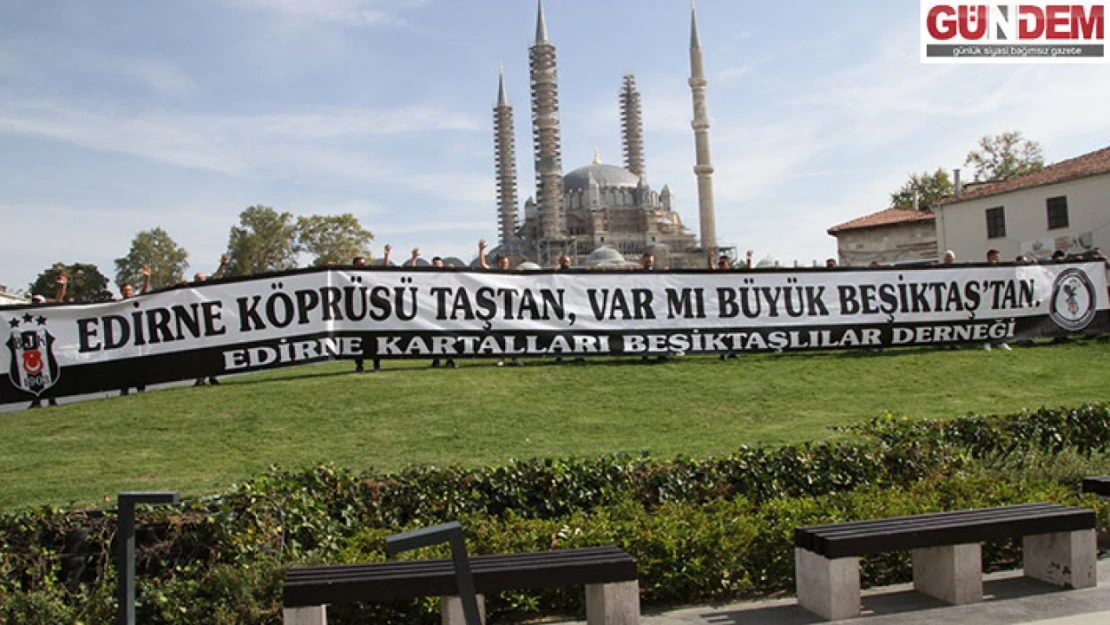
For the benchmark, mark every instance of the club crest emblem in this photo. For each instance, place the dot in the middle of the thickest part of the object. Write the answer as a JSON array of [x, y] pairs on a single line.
[[31, 347], [1073, 300]]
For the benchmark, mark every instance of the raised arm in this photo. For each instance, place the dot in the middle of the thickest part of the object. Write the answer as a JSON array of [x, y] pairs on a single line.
[[60, 294], [482, 254], [415, 255], [222, 268], [385, 259], [146, 279]]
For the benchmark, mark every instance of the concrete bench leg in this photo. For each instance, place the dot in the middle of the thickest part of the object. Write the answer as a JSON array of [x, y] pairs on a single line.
[[613, 604], [312, 615], [828, 588], [951, 573], [452, 611], [1067, 559]]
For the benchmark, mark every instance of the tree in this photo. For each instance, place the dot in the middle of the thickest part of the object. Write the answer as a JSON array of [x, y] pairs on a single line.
[[167, 260], [264, 240], [333, 239], [930, 189], [85, 283], [1005, 156]]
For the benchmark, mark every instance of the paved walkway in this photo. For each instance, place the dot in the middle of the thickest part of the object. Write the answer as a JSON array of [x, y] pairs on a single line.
[[1008, 599]]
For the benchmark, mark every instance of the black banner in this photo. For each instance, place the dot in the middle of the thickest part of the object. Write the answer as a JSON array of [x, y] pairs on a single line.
[[280, 320]]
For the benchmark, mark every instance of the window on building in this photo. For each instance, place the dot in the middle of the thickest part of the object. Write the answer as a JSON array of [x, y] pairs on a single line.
[[1057, 212], [996, 222]]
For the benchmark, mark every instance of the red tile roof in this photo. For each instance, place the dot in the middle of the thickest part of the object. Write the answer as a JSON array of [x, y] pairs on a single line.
[[1092, 164], [889, 217]]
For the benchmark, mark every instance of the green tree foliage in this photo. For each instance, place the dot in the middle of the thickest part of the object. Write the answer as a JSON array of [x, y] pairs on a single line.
[[168, 260], [85, 283], [333, 239], [264, 240], [1005, 156], [930, 188]]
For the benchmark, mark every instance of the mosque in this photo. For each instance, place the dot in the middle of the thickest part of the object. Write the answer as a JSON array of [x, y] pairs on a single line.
[[601, 215]]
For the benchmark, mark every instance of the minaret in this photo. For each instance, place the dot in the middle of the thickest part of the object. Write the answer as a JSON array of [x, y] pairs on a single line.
[[505, 159], [702, 168], [633, 126], [545, 135]]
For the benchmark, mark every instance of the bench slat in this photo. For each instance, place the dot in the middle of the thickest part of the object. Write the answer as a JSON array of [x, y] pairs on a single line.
[[911, 523], [423, 578], [907, 523], [1099, 485], [955, 533], [808, 537], [934, 525], [488, 563], [925, 519], [947, 528]]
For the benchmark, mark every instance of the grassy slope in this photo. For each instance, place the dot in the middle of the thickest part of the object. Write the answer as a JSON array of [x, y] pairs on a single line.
[[198, 440]]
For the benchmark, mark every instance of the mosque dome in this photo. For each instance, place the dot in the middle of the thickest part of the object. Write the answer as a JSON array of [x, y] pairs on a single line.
[[604, 254], [606, 176]]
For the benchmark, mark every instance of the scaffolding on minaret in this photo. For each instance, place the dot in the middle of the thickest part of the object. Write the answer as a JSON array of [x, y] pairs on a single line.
[[505, 160], [546, 144], [632, 125], [703, 168]]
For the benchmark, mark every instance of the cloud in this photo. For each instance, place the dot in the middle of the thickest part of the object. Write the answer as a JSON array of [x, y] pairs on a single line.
[[148, 136], [358, 207], [232, 144], [355, 12], [9, 61], [158, 75], [760, 158], [445, 185], [408, 227], [731, 74], [891, 99], [34, 61], [348, 123]]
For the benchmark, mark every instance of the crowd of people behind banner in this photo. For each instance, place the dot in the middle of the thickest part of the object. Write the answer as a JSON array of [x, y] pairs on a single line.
[[503, 262]]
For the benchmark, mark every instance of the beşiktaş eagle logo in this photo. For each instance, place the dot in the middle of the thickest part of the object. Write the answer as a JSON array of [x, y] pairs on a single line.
[[1073, 300], [31, 346]]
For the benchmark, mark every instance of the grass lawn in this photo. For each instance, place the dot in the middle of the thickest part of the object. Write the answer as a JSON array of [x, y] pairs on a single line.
[[200, 440]]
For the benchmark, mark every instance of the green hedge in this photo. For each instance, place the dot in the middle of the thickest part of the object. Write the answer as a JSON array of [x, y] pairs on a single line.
[[686, 552], [708, 529], [1085, 429]]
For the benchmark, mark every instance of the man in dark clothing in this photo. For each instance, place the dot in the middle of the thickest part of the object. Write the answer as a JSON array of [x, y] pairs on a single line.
[[360, 263]]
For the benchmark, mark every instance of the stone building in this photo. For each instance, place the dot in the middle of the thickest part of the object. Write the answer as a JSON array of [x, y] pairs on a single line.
[[892, 236], [600, 207]]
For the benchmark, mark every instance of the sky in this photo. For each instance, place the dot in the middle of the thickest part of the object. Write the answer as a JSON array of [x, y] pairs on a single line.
[[119, 116]]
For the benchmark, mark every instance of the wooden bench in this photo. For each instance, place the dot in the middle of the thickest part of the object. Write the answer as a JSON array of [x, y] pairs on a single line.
[[1058, 547], [608, 573], [1098, 485]]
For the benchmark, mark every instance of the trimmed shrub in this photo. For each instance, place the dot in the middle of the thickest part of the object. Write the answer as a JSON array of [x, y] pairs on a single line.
[[701, 529]]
